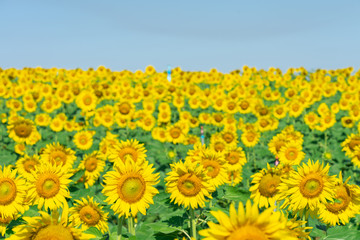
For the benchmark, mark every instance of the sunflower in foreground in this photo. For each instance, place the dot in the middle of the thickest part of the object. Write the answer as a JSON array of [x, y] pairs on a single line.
[[264, 188], [308, 187], [84, 139], [129, 148], [346, 206], [48, 186], [188, 184], [248, 223], [48, 227], [12, 193], [88, 213], [130, 188]]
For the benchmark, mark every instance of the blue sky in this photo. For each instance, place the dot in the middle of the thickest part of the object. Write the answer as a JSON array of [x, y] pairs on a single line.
[[195, 35]]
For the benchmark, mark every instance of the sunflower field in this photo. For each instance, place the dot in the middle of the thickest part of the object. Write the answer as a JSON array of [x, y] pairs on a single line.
[[250, 154]]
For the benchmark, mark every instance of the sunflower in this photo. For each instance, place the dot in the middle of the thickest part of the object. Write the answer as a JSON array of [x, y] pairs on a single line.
[[346, 206], [215, 165], [12, 192], [48, 186], [235, 157], [276, 143], [350, 143], [55, 153], [250, 138], [48, 227], [291, 153], [130, 188], [21, 130], [176, 133], [88, 213], [86, 100], [93, 166], [26, 164], [125, 109], [84, 139], [264, 188], [42, 119], [188, 184], [247, 223], [307, 188], [125, 149], [4, 222]]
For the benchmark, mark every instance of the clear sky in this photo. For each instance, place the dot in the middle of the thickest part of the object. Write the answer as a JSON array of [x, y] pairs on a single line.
[[195, 35]]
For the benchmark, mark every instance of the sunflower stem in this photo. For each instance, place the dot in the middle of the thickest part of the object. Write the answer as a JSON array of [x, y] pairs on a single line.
[[131, 225], [193, 223], [119, 227]]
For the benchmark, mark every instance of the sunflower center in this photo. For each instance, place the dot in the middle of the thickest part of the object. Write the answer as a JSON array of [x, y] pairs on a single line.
[[291, 153], [175, 132], [89, 215], [268, 185], [212, 167], [343, 199], [23, 129], [124, 108], [128, 152], [311, 186], [248, 232], [244, 105], [228, 137], [29, 165], [87, 100], [233, 158], [131, 188], [354, 143], [48, 185], [219, 146], [7, 191], [250, 136], [54, 232], [91, 164], [58, 157], [189, 185]]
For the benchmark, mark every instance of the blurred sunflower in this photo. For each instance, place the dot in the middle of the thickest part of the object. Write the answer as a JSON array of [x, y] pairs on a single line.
[[12, 193], [350, 143], [26, 164], [250, 138], [55, 153], [48, 227], [188, 184], [247, 223], [22, 130], [84, 139], [93, 166], [307, 188], [235, 157], [86, 100], [132, 149], [176, 133], [264, 187], [87, 213], [130, 188], [47, 187], [346, 205], [4, 223], [291, 153]]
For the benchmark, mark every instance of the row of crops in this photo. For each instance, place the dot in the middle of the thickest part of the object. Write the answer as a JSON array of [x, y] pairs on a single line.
[[250, 154]]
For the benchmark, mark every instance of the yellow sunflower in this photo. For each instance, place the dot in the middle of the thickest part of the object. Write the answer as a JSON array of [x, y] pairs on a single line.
[[130, 188], [86, 100], [250, 138], [247, 223], [93, 166], [4, 222], [276, 143], [291, 153], [215, 166], [84, 139], [307, 188], [47, 187], [22, 130], [55, 153], [264, 187], [12, 192], [26, 164], [88, 213], [48, 227], [350, 143], [188, 184], [127, 149], [346, 206], [125, 109], [235, 158], [176, 133]]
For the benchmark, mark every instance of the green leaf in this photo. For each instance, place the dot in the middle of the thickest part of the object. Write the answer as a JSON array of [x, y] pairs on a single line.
[[161, 227], [236, 194]]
